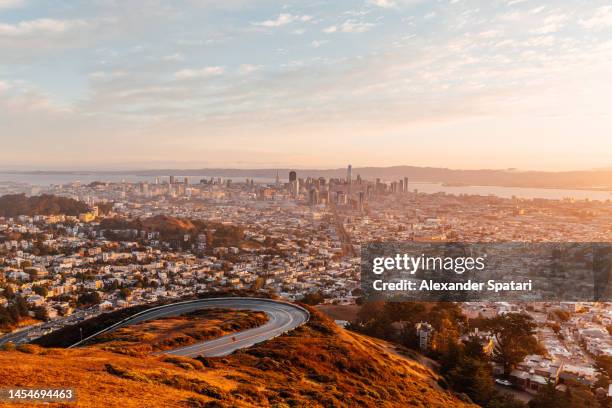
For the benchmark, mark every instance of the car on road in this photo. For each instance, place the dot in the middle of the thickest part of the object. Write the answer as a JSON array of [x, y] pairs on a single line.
[[503, 382]]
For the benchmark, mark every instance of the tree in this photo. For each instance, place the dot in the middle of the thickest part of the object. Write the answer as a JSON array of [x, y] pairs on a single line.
[[40, 290], [603, 366], [124, 293], [514, 335], [503, 400], [41, 313], [576, 396], [9, 293], [313, 298], [474, 378], [473, 348], [89, 299]]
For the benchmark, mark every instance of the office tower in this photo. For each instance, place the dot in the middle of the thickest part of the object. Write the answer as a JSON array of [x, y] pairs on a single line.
[[186, 180], [349, 177], [294, 184], [322, 181], [277, 179], [401, 186], [172, 180], [361, 200], [313, 197], [156, 180], [406, 184]]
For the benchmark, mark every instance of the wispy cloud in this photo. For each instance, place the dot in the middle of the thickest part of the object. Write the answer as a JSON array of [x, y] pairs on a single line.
[[206, 72], [349, 26], [283, 19], [383, 3], [600, 19], [6, 4], [40, 26]]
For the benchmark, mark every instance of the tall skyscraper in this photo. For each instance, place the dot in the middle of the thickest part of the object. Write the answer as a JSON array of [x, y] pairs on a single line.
[[406, 184], [349, 174], [172, 180], [313, 196], [349, 178], [294, 184]]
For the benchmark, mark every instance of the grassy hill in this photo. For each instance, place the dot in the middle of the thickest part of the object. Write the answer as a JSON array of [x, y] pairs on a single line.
[[172, 332], [13, 205], [316, 365]]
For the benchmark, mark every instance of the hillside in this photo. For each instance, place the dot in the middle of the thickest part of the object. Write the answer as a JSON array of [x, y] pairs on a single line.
[[13, 205], [317, 365], [173, 228], [178, 331]]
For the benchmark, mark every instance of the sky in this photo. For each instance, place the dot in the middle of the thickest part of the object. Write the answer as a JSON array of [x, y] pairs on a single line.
[[105, 84]]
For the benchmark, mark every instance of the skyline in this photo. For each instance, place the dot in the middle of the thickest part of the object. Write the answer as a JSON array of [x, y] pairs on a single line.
[[457, 84]]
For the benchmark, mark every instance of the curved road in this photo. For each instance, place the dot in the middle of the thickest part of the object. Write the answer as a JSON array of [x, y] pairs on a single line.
[[282, 317]]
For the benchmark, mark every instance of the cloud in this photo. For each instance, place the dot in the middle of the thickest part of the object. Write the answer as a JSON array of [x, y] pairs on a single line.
[[383, 3], [349, 26], [248, 68], [198, 73], [514, 2], [283, 19], [600, 19], [40, 26], [330, 29], [6, 4], [318, 43], [174, 57], [552, 24]]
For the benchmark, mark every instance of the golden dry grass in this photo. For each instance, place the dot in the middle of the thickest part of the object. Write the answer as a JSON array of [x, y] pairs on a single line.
[[317, 365], [179, 331]]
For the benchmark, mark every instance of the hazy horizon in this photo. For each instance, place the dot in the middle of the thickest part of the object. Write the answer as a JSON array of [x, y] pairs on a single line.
[[234, 84]]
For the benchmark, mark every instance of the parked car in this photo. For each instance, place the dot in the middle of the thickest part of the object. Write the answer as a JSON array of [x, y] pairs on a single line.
[[503, 382]]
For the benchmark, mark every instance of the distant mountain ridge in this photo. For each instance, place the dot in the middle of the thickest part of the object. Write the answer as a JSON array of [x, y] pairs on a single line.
[[582, 179]]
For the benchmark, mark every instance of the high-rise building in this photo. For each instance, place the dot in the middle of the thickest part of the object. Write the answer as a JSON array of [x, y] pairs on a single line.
[[294, 184], [349, 174], [172, 180], [361, 200], [313, 197], [406, 184], [186, 180]]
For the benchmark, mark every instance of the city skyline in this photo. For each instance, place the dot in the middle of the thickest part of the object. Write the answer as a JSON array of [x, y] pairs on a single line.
[[458, 84]]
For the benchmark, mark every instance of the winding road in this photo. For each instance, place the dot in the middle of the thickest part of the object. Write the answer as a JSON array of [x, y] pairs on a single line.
[[282, 317]]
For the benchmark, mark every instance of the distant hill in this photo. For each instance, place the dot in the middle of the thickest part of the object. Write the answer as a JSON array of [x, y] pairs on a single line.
[[316, 365], [13, 205], [596, 179], [173, 228]]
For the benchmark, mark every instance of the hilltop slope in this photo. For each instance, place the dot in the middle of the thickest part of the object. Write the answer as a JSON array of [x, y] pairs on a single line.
[[317, 365]]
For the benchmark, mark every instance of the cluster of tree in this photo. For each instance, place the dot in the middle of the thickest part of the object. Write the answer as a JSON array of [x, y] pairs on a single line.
[[175, 229], [87, 299], [465, 364], [313, 298], [467, 369], [576, 395], [13, 205], [12, 314]]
